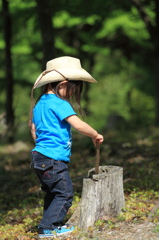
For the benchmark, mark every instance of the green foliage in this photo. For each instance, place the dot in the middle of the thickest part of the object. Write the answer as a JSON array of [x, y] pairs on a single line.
[[125, 85], [126, 21], [63, 18], [156, 229], [138, 206], [119, 91]]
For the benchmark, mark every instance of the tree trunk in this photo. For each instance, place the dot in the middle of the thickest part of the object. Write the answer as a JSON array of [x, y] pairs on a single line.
[[156, 59], [47, 32], [102, 195], [9, 76]]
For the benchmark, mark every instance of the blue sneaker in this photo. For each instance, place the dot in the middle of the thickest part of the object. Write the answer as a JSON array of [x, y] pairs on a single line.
[[44, 233], [63, 230]]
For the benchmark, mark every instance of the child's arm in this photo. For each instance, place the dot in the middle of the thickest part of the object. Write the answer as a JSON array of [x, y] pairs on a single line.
[[33, 131], [85, 129]]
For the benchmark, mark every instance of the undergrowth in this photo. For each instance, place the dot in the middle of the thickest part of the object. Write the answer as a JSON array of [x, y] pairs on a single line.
[[21, 198]]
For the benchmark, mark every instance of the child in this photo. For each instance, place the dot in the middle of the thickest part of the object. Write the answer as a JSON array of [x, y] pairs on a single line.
[[53, 116]]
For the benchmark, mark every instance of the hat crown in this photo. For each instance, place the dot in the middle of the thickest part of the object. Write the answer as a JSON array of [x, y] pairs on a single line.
[[63, 62]]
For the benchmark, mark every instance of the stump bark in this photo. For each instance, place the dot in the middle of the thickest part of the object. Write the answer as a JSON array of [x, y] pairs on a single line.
[[102, 195]]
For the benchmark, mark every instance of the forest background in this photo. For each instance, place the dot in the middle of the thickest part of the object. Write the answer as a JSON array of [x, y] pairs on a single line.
[[118, 43]]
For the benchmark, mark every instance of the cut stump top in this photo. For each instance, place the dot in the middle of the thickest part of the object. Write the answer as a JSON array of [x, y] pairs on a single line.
[[104, 171]]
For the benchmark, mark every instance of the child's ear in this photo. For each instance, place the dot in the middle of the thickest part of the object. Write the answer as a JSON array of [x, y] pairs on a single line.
[[63, 84]]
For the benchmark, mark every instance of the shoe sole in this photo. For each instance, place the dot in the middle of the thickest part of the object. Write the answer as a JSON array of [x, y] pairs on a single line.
[[58, 234], [46, 236]]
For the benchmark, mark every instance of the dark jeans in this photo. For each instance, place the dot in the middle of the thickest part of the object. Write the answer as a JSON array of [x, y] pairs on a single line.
[[57, 184]]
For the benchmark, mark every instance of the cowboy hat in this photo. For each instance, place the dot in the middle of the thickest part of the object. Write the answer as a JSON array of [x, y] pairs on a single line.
[[63, 68]]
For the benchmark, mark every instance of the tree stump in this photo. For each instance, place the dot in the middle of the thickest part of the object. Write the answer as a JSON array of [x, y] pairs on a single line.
[[102, 195]]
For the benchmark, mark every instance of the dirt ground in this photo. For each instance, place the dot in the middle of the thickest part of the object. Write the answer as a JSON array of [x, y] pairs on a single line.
[[123, 231], [131, 231]]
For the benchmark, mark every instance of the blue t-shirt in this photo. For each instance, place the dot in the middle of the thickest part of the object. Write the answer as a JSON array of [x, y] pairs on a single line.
[[53, 132]]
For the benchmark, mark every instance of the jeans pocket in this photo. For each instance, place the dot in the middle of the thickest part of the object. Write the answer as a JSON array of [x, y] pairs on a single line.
[[45, 171]]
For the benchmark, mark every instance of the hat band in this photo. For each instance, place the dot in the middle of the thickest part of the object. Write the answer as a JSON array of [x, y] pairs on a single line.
[[45, 72]]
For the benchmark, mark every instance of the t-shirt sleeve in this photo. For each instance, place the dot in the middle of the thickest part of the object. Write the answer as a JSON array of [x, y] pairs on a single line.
[[64, 110]]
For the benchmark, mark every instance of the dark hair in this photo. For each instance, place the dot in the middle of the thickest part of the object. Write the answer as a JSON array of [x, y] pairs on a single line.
[[73, 93]]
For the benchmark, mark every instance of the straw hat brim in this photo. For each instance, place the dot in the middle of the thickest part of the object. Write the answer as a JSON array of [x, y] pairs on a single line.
[[68, 73]]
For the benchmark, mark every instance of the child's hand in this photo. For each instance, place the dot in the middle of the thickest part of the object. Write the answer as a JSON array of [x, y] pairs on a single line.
[[98, 139]]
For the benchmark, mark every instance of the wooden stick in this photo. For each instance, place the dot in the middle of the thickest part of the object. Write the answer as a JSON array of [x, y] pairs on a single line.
[[97, 158]]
